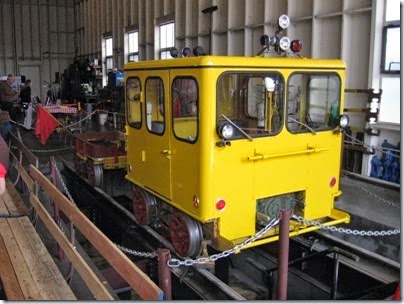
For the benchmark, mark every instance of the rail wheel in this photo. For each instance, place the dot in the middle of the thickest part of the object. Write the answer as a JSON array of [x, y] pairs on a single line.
[[95, 174], [144, 207], [186, 234], [79, 166]]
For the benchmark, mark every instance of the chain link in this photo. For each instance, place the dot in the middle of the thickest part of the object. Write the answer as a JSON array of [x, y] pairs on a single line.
[[189, 262], [368, 146], [59, 175], [346, 231], [137, 253], [371, 193]]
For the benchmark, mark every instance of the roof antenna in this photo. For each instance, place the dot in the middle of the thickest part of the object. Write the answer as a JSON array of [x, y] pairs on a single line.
[[205, 11]]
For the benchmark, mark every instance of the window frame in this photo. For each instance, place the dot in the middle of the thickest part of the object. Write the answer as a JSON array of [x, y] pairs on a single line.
[[386, 28]]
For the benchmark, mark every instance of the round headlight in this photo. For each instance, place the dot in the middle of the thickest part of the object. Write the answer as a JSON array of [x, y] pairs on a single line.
[[283, 21], [226, 131], [284, 43], [343, 121]]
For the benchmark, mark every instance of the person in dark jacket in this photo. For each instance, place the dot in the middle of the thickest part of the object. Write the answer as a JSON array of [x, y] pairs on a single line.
[[8, 95], [25, 94]]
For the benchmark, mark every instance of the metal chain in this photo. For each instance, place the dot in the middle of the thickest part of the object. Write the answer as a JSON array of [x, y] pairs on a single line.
[[346, 231], [189, 262], [137, 253], [368, 146], [371, 193], [59, 175]]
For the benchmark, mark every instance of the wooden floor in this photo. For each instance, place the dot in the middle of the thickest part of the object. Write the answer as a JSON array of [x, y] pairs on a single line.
[[27, 270]]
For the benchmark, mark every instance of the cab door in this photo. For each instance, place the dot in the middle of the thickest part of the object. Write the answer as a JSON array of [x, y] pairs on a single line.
[[156, 153]]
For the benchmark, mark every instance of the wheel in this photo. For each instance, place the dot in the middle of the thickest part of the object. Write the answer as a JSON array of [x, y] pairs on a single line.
[[186, 234], [94, 174], [144, 207], [79, 166]]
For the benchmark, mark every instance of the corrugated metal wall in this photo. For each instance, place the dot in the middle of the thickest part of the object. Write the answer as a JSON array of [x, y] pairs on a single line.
[[36, 38], [46, 33]]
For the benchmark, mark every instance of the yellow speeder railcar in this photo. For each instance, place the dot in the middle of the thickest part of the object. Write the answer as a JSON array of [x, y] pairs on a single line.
[[217, 146]]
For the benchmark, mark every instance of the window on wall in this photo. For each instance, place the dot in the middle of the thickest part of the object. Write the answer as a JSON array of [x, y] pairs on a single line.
[[167, 39], [390, 64], [133, 46], [109, 54]]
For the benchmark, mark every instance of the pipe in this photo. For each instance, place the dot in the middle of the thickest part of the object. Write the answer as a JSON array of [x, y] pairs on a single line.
[[334, 288], [283, 254], [163, 255]]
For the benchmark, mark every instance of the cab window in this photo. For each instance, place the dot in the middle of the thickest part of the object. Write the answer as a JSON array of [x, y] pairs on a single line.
[[313, 102], [252, 103], [134, 112], [155, 111], [184, 105]]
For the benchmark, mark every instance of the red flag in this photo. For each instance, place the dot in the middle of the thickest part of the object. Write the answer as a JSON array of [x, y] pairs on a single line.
[[45, 125]]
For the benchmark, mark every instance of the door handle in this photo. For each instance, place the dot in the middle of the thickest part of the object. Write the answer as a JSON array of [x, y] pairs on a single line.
[[167, 153]]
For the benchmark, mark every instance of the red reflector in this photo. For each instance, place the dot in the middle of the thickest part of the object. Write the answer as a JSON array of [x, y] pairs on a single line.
[[220, 204], [333, 181], [296, 46]]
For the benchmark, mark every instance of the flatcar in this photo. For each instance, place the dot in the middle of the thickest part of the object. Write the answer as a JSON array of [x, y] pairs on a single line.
[[218, 145]]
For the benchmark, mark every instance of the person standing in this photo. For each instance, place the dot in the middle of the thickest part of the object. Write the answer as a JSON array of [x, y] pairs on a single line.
[[26, 106], [8, 95], [25, 94]]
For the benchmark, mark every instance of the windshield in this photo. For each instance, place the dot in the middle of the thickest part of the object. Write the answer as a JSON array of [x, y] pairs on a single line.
[[313, 102], [251, 101]]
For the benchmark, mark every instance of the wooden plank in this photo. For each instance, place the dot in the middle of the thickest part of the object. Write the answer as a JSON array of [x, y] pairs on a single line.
[[8, 201], [38, 259], [57, 280], [7, 275], [16, 199], [34, 265], [28, 286], [96, 286], [3, 207], [138, 280], [23, 173], [32, 159]]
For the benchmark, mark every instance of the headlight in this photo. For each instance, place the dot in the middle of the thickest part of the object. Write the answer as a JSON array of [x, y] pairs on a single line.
[[284, 43], [226, 131], [343, 121], [283, 21]]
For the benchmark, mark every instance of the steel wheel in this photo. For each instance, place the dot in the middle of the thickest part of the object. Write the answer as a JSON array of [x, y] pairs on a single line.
[[95, 174], [186, 235], [144, 207]]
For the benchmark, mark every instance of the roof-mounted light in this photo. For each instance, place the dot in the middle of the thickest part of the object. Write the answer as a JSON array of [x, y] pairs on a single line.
[[186, 52], [283, 21], [174, 52], [199, 51], [284, 43], [296, 46]]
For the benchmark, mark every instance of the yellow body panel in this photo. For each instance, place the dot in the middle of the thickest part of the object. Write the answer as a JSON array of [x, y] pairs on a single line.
[[239, 173]]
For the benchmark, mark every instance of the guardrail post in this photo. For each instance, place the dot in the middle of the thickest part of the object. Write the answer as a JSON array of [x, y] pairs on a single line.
[[163, 255], [283, 255]]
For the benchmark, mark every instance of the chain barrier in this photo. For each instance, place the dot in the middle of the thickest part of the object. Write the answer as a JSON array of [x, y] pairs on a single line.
[[189, 262], [368, 146], [371, 193], [137, 253], [346, 231], [59, 175]]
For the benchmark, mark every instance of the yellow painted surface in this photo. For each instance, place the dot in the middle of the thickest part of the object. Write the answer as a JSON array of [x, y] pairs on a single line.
[[242, 172]]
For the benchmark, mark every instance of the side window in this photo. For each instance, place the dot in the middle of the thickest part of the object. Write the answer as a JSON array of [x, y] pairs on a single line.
[[185, 106], [155, 112], [134, 109]]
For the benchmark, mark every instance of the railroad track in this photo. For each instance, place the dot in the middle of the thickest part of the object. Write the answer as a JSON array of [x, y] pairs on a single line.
[[253, 272], [202, 283]]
